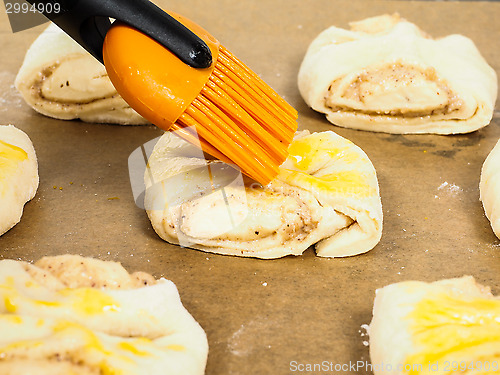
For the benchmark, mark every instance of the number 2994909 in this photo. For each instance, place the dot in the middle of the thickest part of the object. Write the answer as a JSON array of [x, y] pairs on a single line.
[[25, 8]]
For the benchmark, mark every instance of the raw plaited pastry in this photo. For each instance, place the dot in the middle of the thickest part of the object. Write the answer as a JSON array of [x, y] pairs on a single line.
[[445, 327], [60, 79], [325, 195], [18, 175], [489, 188], [96, 319], [387, 75]]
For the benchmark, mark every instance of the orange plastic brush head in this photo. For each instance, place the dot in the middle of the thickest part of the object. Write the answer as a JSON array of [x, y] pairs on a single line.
[[238, 118]]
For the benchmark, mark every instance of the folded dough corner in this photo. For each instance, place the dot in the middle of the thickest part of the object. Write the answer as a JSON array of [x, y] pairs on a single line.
[[449, 326], [387, 75], [325, 195], [489, 188], [18, 175], [59, 79]]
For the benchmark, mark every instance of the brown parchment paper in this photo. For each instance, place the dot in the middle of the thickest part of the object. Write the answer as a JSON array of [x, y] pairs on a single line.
[[270, 316]]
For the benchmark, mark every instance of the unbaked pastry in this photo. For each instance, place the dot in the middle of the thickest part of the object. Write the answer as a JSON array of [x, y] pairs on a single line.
[[96, 320], [326, 195], [387, 75], [489, 188], [59, 79], [18, 175], [448, 326]]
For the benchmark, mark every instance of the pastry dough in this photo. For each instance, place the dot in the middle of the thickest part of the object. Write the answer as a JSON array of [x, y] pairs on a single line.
[[449, 326], [18, 175], [54, 322], [59, 79], [489, 188], [326, 195], [387, 75]]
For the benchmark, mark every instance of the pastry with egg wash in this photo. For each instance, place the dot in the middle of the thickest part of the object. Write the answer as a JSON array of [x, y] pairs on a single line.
[[73, 315], [489, 188], [449, 326], [326, 195], [387, 75], [18, 175], [60, 79]]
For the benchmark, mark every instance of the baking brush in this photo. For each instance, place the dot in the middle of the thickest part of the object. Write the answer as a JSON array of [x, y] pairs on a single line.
[[179, 77]]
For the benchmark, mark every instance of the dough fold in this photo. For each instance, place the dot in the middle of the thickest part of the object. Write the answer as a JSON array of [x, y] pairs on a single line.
[[59, 79], [326, 195], [126, 327], [445, 327], [387, 75], [489, 188], [18, 175]]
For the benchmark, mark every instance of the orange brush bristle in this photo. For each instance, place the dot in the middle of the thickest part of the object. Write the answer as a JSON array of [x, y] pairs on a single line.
[[238, 118]]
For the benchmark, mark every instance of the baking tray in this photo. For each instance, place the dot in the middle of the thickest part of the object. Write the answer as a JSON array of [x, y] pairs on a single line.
[[270, 316]]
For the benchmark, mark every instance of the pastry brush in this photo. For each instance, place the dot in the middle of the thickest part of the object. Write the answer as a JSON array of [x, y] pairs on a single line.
[[180, 78]]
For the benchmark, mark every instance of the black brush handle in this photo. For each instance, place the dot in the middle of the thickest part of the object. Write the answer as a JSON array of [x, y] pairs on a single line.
[[87, 22]]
